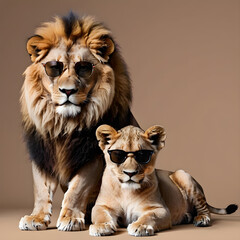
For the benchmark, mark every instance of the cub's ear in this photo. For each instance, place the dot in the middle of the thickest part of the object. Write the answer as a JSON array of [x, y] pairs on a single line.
[[157, 136], [105, 135], [37, 47]]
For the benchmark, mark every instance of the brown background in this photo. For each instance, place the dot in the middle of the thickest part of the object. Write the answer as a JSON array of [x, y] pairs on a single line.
[[184, 59]]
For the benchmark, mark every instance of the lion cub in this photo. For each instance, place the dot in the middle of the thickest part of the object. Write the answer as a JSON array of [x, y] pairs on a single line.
[[135, 194]]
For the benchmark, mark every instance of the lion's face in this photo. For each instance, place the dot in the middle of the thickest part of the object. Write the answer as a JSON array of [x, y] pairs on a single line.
[[131, 153], [78, 72]]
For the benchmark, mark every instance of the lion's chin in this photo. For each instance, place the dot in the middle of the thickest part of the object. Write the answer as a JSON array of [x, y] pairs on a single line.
[[131, 185], [68, 110]]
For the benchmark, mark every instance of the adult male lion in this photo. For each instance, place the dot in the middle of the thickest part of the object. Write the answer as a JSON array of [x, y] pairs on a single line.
[[77, 81]]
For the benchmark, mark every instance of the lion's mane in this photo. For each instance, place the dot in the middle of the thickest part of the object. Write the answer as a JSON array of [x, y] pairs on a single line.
[[60, 145]]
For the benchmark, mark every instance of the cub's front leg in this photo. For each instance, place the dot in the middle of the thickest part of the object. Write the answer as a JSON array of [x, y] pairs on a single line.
[[153, 219], [81, 190], [44, 188], [104, 221]]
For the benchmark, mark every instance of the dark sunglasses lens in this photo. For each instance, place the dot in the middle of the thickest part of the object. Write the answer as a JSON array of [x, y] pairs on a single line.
[[83, 69], [117, 156], [54, 68], [143, 156]]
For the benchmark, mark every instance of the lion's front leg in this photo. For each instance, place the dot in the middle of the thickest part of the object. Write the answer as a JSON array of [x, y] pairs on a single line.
[[150, 221], [72, 214], [44, 188], [82, 189]]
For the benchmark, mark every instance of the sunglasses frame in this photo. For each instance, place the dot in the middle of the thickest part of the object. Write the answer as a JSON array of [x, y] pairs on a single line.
[[134, 155], [61, 70]]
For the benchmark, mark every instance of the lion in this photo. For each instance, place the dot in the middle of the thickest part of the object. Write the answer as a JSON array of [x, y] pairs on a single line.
[[77, 81], [136, 195]]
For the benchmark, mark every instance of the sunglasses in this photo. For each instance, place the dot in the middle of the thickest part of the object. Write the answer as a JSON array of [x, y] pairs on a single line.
[[55, 68], [141, 156]]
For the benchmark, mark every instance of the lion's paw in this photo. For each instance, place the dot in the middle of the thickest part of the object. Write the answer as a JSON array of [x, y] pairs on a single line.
[[34, 222], [102, 229], [202, 221], [70, 223], [139, 230]]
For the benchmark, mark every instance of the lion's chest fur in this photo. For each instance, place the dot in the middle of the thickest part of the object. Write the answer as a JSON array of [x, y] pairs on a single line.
[[62, 157]]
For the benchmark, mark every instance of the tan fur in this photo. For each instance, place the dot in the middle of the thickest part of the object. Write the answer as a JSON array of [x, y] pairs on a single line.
[[104, 96], [155, 199], [138, 204]]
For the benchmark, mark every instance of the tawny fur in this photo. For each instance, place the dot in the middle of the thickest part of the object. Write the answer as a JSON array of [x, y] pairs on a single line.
[[154, 199]]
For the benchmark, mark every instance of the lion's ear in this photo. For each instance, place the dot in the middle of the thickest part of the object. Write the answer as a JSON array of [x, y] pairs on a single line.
[[36, 47], [157, 136], [105, 135], [102, 47], [107, 47]]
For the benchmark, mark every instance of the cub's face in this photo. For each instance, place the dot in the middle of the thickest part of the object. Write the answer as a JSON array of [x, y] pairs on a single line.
[[130, 153]]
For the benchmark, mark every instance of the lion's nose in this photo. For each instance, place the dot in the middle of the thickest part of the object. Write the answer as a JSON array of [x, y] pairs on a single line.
[[130, 174], [68, 92]]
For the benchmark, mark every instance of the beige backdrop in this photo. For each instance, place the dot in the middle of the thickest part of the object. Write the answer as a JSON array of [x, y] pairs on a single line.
[[184, 59]]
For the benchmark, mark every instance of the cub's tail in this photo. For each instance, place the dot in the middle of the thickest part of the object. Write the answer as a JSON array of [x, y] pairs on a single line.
[[223, 211]]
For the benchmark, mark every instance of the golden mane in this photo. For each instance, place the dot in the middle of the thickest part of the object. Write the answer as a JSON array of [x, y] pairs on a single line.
[[111, 94]]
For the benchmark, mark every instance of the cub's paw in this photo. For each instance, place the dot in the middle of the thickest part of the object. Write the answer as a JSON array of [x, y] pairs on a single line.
[[34, 222], [202, 221], [102, 229], [139, 230], [71, 221]]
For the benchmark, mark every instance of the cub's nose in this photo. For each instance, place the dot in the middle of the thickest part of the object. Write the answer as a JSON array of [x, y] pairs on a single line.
[[68, 92], [130, 174]]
